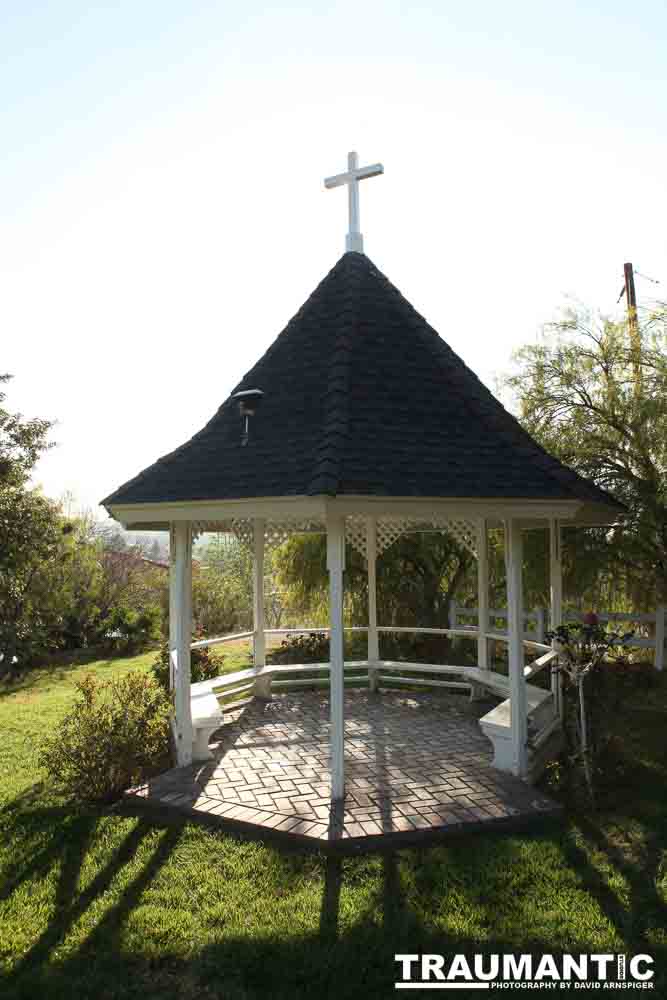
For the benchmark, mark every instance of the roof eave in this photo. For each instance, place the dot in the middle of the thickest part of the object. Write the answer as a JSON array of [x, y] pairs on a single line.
[[158, 516]]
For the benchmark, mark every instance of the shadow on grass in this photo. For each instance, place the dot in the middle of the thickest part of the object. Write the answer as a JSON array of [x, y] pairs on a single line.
[[646, 910], [336, 959], [68, 838], [70, 905]]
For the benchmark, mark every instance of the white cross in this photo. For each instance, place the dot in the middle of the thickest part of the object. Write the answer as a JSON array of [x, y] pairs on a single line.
[[354, 240]]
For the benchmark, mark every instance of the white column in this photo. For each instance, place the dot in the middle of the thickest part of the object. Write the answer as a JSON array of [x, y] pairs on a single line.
[[180, 635], [258, 617], [336, 568], [518, 707], [373, 642], [555, 575], [482, 595], [556, 600]]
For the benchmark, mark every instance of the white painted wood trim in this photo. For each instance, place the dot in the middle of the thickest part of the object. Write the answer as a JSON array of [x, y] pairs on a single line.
[[373, 638], [482, 593], [336, 568], [555, 575], [159, 515], [259, 639], [180, 636], [518, 702]]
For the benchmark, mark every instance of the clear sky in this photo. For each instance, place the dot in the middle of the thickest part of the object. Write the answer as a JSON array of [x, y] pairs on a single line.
[[164, 213]]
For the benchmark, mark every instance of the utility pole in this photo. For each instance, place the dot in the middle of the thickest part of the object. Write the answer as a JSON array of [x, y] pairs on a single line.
[[633, 324]]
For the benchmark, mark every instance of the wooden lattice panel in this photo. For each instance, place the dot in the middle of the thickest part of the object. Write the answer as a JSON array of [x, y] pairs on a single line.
[[355, 533], [275, 532], [389, 530]]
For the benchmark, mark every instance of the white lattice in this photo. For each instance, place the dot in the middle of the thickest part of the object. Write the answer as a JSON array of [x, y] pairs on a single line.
[[275, 532], [389, 530], [355, 533], [463, 531]]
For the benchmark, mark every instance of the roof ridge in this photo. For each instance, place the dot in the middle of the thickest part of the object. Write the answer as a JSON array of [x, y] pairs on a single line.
[[326, 472]]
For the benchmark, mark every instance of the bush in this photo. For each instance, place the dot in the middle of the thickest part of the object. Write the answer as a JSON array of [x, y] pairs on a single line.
[[312, 647], [115, 736], [130, 631], [204, 666]]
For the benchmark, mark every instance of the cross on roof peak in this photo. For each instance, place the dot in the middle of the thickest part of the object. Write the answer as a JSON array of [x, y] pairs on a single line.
[[354, 173]]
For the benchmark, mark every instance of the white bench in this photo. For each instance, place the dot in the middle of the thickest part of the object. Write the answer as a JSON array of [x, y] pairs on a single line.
[[497, 724], [207, 715], [206, 718]]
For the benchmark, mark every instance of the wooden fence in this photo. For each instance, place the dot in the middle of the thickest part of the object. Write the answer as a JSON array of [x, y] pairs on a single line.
[[536, 624]]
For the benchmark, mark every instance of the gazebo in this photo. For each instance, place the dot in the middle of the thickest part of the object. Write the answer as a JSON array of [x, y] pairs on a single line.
[[361, 423]]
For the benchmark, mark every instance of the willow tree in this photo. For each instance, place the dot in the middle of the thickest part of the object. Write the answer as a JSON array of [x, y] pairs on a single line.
[[417, 576], [597, 399]]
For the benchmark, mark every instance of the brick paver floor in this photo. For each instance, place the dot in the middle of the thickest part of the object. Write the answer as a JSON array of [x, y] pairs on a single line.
[[415, 764]]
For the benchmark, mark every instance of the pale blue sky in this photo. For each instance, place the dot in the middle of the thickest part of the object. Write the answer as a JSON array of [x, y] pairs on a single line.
[[164, 215]]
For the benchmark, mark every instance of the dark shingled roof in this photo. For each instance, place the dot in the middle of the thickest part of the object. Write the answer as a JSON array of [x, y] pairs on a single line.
[[361, 396]]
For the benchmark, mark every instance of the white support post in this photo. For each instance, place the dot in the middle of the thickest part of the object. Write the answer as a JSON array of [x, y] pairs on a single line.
[[336, 568], [482, 595], [540, 624], [258, 618], [518, 704], [659, 637], [453, 613], [373, 641], [180, 636], [556, 596]]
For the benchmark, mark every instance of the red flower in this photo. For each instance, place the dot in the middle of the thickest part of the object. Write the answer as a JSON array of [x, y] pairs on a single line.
[[591, 618]]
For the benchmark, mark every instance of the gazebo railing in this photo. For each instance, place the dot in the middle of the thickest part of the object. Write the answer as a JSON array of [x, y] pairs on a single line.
[[236, 689], [545, 659]]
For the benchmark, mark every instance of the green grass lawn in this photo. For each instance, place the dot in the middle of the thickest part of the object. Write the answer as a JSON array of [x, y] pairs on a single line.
[[97, 904]]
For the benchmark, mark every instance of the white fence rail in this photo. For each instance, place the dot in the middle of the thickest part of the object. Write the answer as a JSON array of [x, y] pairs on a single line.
[[536, 625]]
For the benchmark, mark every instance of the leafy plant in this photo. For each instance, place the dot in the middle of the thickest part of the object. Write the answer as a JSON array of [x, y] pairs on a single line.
[[116, 735], [311, 647], [204, 665], [583, 649], [131, 630]]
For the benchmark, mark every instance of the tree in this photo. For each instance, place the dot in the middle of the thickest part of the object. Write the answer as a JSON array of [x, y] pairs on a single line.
[[30, 532], [417, 577], [599, 404]]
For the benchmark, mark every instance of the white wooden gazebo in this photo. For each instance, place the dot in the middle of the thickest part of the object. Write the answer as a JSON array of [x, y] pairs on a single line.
[[360, 422]]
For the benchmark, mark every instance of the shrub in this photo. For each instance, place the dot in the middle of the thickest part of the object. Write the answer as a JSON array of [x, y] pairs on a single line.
[[311, 647], [204, 666], [130, 631], [115, 736]]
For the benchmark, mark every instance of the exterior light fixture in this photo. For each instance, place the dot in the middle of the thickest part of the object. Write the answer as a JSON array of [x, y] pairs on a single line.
[[249, 402]]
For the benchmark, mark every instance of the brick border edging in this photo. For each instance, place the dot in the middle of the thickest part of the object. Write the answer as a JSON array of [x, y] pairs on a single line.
[[372, 843]]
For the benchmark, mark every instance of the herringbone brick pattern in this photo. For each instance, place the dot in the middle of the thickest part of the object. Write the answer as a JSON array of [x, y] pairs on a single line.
[[413, 762]]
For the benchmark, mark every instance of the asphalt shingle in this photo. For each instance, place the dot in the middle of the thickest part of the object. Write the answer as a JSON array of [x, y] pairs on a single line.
[[361, 396]]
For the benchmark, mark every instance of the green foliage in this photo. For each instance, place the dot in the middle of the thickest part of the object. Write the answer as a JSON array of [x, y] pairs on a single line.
[[222, 589], [312, 647], [30, 535], [204, 665], [131, 630], [596, 681], [116, 734], [598, 402], [417, 577], [22, 442]]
